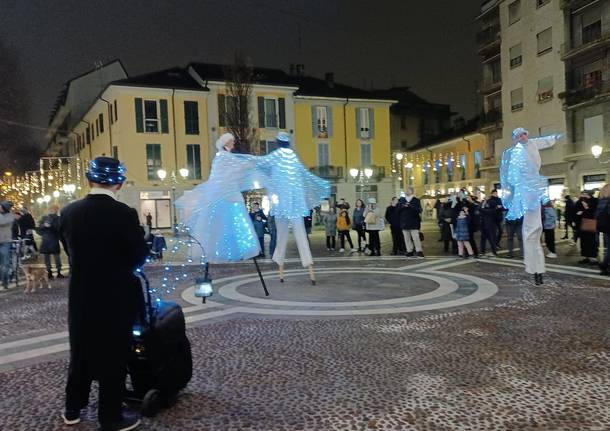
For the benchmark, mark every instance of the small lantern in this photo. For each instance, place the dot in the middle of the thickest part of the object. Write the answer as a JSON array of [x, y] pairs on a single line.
[[203, 287]]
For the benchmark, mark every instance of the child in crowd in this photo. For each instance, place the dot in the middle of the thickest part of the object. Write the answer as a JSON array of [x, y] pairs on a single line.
[[330, 225], [462, 235], [343, 226], [549, 221]]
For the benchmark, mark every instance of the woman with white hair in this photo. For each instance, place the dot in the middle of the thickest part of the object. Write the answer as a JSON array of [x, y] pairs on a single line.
[[374, 223], [214, 211]]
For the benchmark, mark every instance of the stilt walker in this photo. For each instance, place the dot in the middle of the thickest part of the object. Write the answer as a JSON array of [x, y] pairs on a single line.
[[524, 191], [294, 191]]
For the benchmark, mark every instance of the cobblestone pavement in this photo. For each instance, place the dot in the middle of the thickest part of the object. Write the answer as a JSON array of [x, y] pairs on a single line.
[[379, 343]]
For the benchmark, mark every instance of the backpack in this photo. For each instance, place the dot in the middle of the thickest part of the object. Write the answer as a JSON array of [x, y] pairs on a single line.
[[371, 218]]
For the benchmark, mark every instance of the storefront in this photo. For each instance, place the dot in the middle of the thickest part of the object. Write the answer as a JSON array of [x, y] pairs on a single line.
[[556, 188], [593, 182], [158, 204]]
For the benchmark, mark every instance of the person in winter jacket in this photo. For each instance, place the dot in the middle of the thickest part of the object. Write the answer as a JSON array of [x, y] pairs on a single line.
[[392, 217], [48, 229], [410, 223], [569, 215], [27, 226], [586, 208], [358, 223], [447, 219], [6, 223], [489, 225], [602, 215], [374, 224], [462, 234], [343, 226], [259, 218], [514, 227], [549, 221], [330, 225]]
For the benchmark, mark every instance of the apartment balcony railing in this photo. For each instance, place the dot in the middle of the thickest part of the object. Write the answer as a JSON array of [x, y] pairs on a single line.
[[328, 172], [491, 117], [574, 4], [585, 90], [488, 38], [490, 86], [593, 37]]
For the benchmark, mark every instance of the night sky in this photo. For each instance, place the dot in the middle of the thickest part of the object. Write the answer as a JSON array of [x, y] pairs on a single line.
[[427, 45]]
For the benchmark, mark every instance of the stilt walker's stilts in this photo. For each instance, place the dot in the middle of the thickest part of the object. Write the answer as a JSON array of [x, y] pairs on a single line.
[[281, 267], [312, 275], [261, 277]]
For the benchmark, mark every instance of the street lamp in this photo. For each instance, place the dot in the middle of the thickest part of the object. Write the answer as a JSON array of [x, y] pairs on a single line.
[[162, 174], [361, 177], [597, 151]]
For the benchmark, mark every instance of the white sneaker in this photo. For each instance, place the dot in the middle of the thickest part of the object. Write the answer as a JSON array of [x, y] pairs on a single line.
[[341, 250], [551, 255]]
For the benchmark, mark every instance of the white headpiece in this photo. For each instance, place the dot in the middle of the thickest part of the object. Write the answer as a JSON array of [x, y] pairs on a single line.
[[518, 131], [221, 142]]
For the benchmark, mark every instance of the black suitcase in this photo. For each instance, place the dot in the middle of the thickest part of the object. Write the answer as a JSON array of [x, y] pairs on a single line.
[[161, 364]]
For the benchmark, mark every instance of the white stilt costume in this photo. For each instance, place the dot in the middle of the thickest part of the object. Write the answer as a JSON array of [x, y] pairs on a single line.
[[524, 190], [294, 191]]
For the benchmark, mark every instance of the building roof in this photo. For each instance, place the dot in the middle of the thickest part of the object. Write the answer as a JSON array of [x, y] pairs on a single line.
[[176, 77], [261, 75], [310, 86], [470, 127], [409, 102]]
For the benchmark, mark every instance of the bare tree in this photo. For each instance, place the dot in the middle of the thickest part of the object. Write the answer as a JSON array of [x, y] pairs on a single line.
[[16, 146], [237, 103]]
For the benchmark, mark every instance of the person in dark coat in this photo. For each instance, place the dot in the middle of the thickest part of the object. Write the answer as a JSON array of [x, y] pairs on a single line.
[[258, 221], [588, 239], [410, 223], [495, 201], [489, 225], [27, 226], [569, 214], [48, 229], [474, 220], [602, 215], [392, 216], [448, 216], [105, 245]]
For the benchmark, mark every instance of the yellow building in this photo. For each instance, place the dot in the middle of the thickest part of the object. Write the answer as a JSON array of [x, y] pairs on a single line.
[[446, 166], [169, 120]]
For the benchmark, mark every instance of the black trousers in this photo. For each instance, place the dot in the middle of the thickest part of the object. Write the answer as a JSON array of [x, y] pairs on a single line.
[[361, 237], [374, 243], [261, 240], [473, 243], [488, 234], [330, 240], [398, 241], [513, 229], [549, 239], [345, 234]]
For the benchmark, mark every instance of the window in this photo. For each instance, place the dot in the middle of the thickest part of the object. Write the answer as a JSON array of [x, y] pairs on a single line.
[[116, 112], [545, 41], [462, 166], [153, 160], [367, 191], [449, 165], [516, 99], [403, 145], [101, 120], [591, 22], [540, 3], [365, 154], [426, 173], [477, 164], [191, 118], [323, 154], [115, 152], [594, 131], [437, 171], [591, 74], [515, 56], [321, 123], [268, 146], [97, 127], [193, 161], [364, 123], [270, 113], [545, 89], [151, 116], [403, 122], [514, 12], [492, 73]]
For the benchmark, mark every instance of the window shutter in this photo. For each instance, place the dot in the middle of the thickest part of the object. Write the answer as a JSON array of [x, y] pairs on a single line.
[[372, 122], [261, 112], [358, 125], [281, 102], [164, 122], [139, 116], [222, 111], [314, 121], [329, 121]]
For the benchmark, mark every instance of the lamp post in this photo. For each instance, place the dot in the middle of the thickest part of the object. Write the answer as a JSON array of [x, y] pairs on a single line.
[[361, 177], [162, 174], [597, 151]]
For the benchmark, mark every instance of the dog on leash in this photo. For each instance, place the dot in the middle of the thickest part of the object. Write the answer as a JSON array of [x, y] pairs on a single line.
[[35, 276]]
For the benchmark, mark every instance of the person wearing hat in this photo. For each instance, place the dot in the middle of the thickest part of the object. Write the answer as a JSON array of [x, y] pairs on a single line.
[[214, 212], [294, 192], [373, 224], [105, 245], [48, 229], [524, 191], [7, 219]]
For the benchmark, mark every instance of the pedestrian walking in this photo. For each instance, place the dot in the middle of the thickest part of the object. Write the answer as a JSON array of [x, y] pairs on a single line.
[[149, 219], [48, 229], [259, 218], [447, 217], [587, 228], [569, 216], [343, 227], [410, 223], [105, 244], [462, 234], [330, 226], [392, 217], [7, 219], [27, 227], [514, 228], [374, 224], [549, 222], [489, 225], [358, 224]]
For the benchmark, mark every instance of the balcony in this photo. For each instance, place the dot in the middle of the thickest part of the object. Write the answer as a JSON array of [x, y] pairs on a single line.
[[493, 117], [590, 88], [489, 86], [328, 172], [592, 38], [574, 4], [488, 38]]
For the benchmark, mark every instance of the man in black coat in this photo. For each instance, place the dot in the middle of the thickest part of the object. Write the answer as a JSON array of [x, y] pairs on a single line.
[[48, 229], [392, 216], [410, 223], [569, 216], [105, 244]]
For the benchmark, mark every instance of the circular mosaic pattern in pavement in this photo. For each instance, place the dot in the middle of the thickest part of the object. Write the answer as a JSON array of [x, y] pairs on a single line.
[[349, 291]]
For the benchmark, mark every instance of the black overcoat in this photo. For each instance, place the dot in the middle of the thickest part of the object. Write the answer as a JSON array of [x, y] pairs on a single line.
[[105, 244], [48, 229], [410, 215]]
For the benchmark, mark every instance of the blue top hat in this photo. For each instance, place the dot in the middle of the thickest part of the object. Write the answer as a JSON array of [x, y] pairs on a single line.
[[106, 170], [283, 139]]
